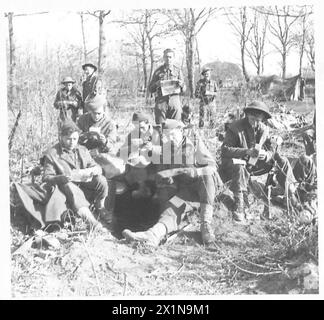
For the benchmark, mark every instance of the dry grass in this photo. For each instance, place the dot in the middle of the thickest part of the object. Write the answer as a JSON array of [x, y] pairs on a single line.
[[250, 259]]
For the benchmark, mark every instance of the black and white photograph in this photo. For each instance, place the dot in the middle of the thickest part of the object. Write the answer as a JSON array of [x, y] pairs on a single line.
[[161, 150]]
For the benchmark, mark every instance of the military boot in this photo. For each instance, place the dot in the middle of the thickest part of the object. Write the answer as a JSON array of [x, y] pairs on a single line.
[[238, 213], [151, 237], [206, 218]]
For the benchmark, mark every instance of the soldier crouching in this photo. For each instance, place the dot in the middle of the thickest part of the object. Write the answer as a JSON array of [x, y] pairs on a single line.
[[246, 140], [187, 173]]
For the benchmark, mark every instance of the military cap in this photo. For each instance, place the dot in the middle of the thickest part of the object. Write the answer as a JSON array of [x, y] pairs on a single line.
[[205, 69], [89, 65], [68, 127], [95, 102], [172, 124], [140, 116], [260, 107], [167, 51], [68, 80]]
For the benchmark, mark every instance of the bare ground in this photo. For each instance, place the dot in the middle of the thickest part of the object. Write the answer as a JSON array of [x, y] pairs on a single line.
[[257, 258]]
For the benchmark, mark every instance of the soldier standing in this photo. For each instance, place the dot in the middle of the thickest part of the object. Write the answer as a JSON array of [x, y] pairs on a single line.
[[68, 100], [167, 83], [92, 84], [206, 91]]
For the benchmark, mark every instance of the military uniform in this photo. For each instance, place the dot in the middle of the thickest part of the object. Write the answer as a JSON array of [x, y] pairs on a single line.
[[61, 161], [239, 137], [105, 126], [190, 185], [90, 87], [207, 104], [69, 103], [169, 106]]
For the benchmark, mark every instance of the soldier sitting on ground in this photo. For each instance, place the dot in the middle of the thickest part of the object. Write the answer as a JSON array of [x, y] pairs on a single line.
[[139, 170], [98, 130], [248, 150], [70, 166], [187, 173], [68, 100]]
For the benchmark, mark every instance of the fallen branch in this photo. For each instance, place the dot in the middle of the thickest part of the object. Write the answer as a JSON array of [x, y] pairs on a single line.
[[93, 267]]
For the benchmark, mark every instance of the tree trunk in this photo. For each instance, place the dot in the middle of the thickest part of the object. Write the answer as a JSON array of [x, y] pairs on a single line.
[[284, 57], [245, 74], [102, 44], [12, 60], [83, 39], [190, 63], [151, 64]]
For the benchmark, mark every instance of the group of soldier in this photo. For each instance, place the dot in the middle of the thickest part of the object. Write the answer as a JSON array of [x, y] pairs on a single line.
[[167, 154]]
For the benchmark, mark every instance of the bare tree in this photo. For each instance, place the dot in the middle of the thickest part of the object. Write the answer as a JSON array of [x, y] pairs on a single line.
[[310, 46], [102, 55], [301, 34], [12, 53], [281, 28], [256, 47], [85, 53], [146, 28], [239, 23], [189, 22], [12, 58]]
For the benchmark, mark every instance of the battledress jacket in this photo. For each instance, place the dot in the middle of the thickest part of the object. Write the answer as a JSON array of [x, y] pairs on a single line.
[[240, 137]]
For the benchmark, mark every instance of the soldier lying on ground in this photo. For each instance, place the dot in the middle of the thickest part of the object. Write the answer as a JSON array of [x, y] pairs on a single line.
[[70, 167], [68, 100], [248, 150], [187, 173]]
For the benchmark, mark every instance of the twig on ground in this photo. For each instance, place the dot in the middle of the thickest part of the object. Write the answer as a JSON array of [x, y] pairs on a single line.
[[125, 284], [93, 267]]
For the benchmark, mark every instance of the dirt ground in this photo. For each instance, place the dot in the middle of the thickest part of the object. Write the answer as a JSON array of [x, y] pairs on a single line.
[[260, 257]]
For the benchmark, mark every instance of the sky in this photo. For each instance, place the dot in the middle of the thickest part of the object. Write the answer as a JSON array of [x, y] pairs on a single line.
[[63, 27]]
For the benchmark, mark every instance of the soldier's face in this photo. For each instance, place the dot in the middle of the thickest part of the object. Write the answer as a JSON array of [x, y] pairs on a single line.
[[97, 114], [255, 118], [68, 85], [143, 127], [88, 71], [207, 75], [70, 141], [168, 58]]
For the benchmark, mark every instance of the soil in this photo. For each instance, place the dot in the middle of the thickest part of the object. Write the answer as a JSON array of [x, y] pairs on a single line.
[[255, 258]]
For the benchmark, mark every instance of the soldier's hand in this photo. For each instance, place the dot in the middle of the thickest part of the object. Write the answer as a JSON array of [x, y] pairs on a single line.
[[252, 152], [102, 138], [262, 155], [148, 146], [62, 179]]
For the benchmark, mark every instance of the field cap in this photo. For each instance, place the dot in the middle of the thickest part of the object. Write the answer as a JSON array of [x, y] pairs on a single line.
[[205, 69], [167, 51], [68, 80], [69, 127], [89, 65], [258, 106], [140, 116], [95, 102]]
